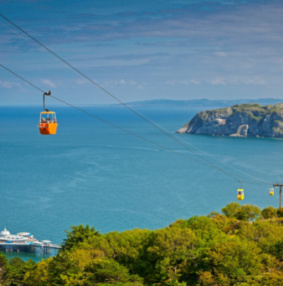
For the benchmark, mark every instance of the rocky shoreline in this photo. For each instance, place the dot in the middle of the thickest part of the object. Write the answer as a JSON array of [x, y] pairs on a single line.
[[242, 120]]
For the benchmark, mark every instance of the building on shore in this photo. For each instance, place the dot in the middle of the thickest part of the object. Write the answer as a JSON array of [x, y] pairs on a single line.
[[24, 242]]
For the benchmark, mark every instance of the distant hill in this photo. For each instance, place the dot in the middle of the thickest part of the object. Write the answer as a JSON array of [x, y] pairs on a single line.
[[241, 120], [164, 103]]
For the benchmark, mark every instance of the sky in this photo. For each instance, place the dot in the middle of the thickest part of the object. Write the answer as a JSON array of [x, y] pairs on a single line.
[[142, 50]]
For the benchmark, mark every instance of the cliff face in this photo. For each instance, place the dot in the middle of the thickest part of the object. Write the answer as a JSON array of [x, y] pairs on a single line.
[[241, 120]]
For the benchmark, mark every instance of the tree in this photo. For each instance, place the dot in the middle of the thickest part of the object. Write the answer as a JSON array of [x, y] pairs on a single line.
[[269, 212], [231, 209], [77, 235], [168, 254], [280, 212], [264, 233], [226, 224], [127, 247], [39, 275], [61, 269], [18, 268], [248, 213], [207, 279], [232, 260], [204, 227], [3, 268], [109, 271]]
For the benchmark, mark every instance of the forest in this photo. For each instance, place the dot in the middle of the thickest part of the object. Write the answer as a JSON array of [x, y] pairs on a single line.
[[241, 246]]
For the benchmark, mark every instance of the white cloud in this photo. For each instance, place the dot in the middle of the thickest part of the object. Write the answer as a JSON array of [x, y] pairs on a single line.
[[237, 80], [122, 82], [81, 81], [182, 82], [48, 83], [254, 80], [194, 81], [218, 81], [8, 84], [170, 82]]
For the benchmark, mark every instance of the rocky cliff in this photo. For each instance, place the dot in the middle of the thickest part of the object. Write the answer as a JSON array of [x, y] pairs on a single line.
[[240, 120]]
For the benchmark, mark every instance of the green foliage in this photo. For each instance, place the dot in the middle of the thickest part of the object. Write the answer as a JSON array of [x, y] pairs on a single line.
[[233, 248], [235, 259], [269, 212], [227, 225], [277, 249], [18, 268], [265, 234], [78, 235], [168, 253], [109, 271], [3, 268], [231, 209], [280, 212], [204, 227], [248, 213]]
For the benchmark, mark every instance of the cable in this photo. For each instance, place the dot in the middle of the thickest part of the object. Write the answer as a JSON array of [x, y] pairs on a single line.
[[229, 166], [114, 97], [21, 78], [108, 122], [120, 128], [161, 129]]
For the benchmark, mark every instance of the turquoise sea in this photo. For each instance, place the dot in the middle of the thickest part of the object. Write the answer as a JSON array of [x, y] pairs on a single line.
[[91, 173]]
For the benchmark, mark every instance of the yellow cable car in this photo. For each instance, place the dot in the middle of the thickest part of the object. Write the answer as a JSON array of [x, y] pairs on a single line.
[[47, 121], [271, 191], [240, 194]]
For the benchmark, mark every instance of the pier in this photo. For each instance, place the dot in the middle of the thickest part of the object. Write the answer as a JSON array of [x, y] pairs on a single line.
[[24, 242]]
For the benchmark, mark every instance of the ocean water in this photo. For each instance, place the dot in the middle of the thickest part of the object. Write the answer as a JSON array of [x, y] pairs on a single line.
[[91, 173]]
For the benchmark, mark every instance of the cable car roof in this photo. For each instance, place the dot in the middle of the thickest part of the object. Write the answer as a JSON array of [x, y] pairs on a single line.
[[47, 112]]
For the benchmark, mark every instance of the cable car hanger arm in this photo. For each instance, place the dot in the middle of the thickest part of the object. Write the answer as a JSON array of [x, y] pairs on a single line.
[[45, 93]]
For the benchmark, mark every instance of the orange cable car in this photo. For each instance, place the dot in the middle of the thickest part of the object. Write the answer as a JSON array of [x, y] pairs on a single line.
[[47, 121]]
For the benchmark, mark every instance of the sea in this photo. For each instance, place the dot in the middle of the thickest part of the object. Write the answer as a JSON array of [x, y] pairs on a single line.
[[92, 172]]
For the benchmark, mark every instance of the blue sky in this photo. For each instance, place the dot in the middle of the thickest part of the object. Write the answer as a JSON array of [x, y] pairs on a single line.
[[141, 50]]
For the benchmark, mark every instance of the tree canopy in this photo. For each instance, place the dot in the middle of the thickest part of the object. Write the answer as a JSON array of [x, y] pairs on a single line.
[[242, 246]]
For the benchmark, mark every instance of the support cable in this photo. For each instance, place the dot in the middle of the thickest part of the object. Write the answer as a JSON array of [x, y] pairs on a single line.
[[155, 125], [112, 124]]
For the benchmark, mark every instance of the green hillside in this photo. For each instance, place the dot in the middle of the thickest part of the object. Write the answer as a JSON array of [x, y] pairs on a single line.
[[241, 246]]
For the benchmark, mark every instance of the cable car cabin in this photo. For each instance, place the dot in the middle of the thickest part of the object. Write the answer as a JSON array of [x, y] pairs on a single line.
[[48, 123], [271, 191], [240, 194]]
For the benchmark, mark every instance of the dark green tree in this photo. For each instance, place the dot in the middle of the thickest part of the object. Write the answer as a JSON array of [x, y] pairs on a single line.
[[269, 212], [248, 213], [18, 268], [3, 268], [108, 272], [78, 235], [280, 212], [231, 209]]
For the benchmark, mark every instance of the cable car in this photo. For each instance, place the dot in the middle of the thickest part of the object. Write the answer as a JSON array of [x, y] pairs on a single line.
[[271, 191], [47, 121], [240, 194]]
